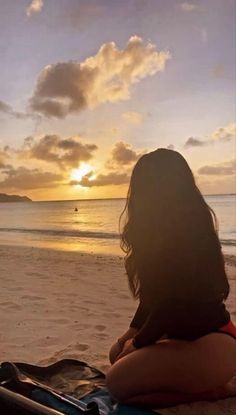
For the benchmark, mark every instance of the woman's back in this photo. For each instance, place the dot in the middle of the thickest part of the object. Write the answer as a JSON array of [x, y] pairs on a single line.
[[170, 233]]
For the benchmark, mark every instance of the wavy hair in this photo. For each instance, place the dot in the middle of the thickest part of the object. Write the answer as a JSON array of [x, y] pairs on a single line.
[[170, 233]]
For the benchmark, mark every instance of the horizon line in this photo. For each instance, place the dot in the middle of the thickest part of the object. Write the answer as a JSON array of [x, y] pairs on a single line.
[[117, 198]]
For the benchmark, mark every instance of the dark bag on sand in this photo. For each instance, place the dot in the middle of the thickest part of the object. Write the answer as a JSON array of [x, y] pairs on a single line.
[[55, 389], [67, 387]]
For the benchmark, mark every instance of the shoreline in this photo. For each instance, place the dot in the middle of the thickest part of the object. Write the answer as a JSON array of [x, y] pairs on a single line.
[[56, 304], [82, 247], [230, 259]]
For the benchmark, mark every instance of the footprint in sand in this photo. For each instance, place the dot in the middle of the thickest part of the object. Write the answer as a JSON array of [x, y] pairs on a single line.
[[116, 315], [100, 327], [81, 347]]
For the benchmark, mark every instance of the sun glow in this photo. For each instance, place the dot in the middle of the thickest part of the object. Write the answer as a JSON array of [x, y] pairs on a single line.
[[84, 169]]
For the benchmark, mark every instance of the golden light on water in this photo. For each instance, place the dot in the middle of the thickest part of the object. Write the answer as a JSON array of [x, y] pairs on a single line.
[[84, 169]]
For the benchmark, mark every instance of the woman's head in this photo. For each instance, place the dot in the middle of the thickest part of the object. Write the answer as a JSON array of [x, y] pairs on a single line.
[[166, 215], [161, 177]]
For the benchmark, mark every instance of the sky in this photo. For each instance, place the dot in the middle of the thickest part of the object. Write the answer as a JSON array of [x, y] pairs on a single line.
[[88, 86]]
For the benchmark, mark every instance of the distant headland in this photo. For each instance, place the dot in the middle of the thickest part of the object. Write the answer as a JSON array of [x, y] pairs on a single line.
[[4, 198]]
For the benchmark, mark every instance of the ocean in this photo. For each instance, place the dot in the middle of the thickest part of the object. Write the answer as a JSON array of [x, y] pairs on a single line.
[[93, 227]]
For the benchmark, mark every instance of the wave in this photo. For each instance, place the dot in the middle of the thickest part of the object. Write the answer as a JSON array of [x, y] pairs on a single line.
[[64, 233], [231, 242], [84, 234]]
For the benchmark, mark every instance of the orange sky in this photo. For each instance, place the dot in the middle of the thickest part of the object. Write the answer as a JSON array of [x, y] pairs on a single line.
[[86, 89]]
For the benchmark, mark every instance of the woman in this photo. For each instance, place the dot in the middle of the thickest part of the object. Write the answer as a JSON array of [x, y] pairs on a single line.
[[181, 342]]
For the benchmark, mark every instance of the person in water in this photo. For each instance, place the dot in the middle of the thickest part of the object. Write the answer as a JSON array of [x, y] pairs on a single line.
[[181, 340]]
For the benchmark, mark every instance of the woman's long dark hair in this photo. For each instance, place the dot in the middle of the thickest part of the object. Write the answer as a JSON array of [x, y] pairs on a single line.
[[170, 233]]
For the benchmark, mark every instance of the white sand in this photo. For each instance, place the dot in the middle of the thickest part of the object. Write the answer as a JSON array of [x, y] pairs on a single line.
[[57, 304]]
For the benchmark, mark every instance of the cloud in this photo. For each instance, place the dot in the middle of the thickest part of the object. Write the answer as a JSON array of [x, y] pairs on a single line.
[[67, 87], [194, 142], [222, 134], [3, 157], [66, 153], [122, 155], [34, 7], [226, 168], [8, 110], [102, 180], [227, 133], [188, 7], [23, 178], [134, 117], [4, 107]]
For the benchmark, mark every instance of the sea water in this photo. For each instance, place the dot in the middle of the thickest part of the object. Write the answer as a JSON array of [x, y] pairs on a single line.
[[90, 225]]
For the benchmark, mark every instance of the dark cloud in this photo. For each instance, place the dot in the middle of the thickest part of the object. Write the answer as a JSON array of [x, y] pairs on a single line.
[[22, 178], [68, 87], [28, 141], [123, 154], [48, 107], [102, 180], [221, 169], [4, 107], [66, 153], [222, 134], [194, 142]]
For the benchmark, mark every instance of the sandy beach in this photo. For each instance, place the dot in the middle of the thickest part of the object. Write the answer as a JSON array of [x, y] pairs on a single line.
[[56, 304]]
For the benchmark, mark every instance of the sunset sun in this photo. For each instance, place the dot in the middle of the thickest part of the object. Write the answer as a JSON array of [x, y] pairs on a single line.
[[77, 174]]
